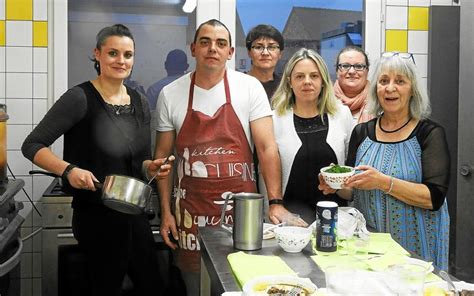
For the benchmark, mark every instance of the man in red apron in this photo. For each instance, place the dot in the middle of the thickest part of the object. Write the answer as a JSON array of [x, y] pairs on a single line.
[[212, 144]]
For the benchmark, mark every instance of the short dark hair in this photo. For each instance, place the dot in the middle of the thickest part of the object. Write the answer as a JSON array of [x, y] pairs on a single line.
[[264, 31], [115, 30], [212, 23], [352, 48]]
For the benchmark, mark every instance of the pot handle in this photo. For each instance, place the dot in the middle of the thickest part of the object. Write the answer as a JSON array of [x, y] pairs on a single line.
[[228, 227], [98, 185], [39, 172]]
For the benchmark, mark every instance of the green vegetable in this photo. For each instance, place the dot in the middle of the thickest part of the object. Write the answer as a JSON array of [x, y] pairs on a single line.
[[338, 169]]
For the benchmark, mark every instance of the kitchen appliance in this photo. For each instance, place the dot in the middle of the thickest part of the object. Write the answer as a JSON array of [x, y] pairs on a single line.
[[11, 244], [63, 262], [247, 231]]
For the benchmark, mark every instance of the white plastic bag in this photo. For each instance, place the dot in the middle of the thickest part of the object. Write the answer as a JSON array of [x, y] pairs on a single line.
[[350, 221]]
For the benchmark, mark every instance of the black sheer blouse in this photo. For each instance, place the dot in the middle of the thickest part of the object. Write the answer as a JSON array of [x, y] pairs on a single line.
[[435, 157], [302, 193]]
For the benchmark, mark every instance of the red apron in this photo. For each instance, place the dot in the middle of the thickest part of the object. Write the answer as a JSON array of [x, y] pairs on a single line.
[[214, 157]]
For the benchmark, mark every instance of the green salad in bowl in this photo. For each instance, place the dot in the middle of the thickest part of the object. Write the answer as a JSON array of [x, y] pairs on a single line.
[[335, 175]]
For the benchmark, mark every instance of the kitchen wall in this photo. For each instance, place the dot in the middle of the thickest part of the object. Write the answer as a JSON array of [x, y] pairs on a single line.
[[400, 25], [23, 88], [25, 82]]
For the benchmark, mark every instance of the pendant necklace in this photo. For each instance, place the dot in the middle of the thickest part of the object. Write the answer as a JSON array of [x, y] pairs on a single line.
[[118, 108], [395, 130]]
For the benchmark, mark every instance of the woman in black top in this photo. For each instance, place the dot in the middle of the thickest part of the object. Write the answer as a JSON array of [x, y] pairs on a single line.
[[312, 130], [106, 128]]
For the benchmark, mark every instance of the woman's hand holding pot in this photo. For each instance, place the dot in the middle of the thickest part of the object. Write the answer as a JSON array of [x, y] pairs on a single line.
[[82, 179]]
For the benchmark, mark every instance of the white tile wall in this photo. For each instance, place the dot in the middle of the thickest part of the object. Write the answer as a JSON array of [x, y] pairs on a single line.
[[396, 17], [40, 59], [40, 107], [26, 265], [37, 287], [417, 41], [19, 33], [25, 212], [36, 272], [37, 238], [419, 3], [27, 244], [20, 166], [20, 59], [40, 10], [2, 86], [20, 111], [19, 85], [424, 82], [443, 2], [397, 2], [40, 183], [40, 85], [2, 9], [421, 61], [2, 59], [26, 285], [16, 134]]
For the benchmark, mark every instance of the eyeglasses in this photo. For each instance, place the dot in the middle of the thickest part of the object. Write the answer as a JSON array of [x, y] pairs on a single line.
[[347, 67], [403, 55], [261, 48]]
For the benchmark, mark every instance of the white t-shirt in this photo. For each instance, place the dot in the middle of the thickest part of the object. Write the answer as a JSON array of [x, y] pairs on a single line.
[[247, 95]]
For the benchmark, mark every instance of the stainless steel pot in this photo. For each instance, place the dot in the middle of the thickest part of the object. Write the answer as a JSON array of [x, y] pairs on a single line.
[[121, 193], [125, 194]]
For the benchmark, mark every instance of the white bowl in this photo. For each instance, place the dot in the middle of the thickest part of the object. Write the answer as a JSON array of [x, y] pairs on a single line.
[[293, 238], [335, 180]]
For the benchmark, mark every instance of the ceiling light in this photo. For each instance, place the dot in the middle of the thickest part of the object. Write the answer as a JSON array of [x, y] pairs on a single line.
[[189, 6]]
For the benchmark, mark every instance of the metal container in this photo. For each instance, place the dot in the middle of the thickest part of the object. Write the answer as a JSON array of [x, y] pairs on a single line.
[[247, 231], [326, 223], [3, 143], [125, 194]]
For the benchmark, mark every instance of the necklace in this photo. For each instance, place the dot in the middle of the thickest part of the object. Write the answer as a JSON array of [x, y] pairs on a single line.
[[117, 108], [395, 130]]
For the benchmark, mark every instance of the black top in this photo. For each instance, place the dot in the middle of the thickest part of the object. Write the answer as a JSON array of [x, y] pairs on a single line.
[[271, 85], [435, 158], [96, 138], [302, 191]]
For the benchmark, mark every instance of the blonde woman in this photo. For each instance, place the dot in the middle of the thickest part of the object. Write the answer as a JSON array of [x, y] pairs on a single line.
[[312, 129]]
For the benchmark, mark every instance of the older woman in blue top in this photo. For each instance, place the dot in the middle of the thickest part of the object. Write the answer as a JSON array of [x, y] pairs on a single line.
[[404, 162]]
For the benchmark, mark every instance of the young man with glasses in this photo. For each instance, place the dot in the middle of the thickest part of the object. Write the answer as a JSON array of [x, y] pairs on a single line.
[[265, 45], [351, 86]]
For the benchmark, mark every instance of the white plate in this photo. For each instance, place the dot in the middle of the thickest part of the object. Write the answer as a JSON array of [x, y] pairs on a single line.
[[270, 234], [260, 285], [422, 263]]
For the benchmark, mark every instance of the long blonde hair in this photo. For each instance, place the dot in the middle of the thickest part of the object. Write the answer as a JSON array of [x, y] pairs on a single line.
[[284, 98]]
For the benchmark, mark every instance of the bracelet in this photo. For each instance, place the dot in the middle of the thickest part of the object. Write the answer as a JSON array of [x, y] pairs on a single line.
[[275, 201], [66, 172], [391, 185]]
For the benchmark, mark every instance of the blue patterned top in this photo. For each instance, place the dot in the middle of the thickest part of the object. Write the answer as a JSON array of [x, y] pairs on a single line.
[[421, 231]]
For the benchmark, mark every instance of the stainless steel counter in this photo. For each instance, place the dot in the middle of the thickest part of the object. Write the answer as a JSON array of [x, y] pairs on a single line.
[[216, 275]]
